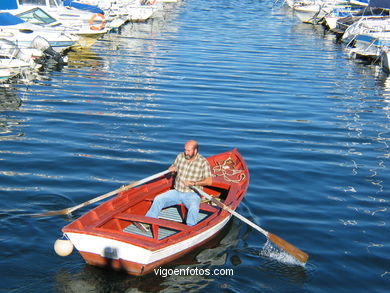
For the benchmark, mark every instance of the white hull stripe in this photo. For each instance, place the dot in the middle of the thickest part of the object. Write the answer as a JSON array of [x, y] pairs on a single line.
[[116, 249]]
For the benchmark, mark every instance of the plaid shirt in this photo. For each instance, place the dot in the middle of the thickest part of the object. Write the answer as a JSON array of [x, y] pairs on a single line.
[[197, 170]]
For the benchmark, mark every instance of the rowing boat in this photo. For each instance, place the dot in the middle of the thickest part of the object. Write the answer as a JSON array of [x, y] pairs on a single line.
[[113, 234]]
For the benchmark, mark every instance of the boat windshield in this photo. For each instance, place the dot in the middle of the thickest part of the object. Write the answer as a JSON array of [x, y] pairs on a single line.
[[36, 16], [50, 3]]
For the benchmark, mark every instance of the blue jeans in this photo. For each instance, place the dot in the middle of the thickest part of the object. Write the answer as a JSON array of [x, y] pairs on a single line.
[[191, 201]]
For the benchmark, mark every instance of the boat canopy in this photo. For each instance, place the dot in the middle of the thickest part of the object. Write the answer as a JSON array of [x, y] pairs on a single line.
[[8, 4], [9, 19], [380, 4], [80, 6]]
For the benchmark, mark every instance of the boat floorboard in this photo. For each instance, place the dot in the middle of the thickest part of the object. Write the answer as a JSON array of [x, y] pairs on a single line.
[[170, 213]]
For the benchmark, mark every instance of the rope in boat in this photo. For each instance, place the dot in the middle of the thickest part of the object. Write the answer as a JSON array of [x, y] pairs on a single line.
[[226, 169]]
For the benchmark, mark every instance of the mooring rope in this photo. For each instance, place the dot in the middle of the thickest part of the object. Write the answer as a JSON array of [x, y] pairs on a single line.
[[226, 169]]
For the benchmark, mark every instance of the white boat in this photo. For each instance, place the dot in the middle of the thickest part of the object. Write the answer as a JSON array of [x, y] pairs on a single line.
[[370, 46], [68, 15], [112, 21], [131, 10], [377, 26], [306, 10], [313, 11], [367, 37], [22, 33], [5, 75], [339, 12], [372, 11], [87, 36], [14, 61]]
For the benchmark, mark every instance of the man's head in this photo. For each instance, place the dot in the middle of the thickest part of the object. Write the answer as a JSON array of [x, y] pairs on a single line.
[[190, 149]]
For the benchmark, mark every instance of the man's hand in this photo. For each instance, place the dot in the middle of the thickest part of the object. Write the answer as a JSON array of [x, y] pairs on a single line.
[[188, 183]]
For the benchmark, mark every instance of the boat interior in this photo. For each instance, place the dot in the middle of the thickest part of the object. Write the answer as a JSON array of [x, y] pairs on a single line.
[[124, 218], [125, 214], [171, 220], [177, 214]]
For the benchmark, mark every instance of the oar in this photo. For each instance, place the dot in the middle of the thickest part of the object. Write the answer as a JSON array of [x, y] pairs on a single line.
[[291, 249], [101, 197]]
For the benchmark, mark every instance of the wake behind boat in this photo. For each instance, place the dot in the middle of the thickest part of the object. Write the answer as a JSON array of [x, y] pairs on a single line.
[[117, 233]]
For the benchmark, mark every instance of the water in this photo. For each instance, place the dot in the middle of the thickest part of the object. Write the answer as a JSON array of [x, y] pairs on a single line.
[[312, 124]]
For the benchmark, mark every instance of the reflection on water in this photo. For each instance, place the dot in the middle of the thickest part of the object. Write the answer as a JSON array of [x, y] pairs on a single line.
[[312, 125], [85, 58], [383, 81], [9, 99], [9, 123]]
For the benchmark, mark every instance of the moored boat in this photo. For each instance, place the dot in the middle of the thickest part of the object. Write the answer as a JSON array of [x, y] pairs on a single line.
[[113, 234], [17, 30], [87, 35]]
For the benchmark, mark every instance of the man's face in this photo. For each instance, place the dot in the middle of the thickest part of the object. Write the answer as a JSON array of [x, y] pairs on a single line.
[[189, 152]]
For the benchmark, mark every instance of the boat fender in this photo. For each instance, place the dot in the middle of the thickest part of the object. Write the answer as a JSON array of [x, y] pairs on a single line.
[[102, 23], [63, 247]]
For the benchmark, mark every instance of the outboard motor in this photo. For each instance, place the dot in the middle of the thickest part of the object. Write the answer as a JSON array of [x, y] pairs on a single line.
[[42, 44]]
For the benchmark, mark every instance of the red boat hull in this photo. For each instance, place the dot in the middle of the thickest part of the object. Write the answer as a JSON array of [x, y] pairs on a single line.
[[109, 235], [134, 268]]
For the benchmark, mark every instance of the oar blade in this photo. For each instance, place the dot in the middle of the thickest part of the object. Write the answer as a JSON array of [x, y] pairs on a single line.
[[291, 249], [52, 213]]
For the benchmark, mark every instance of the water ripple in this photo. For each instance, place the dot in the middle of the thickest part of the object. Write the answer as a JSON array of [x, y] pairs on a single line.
[[312, 124]]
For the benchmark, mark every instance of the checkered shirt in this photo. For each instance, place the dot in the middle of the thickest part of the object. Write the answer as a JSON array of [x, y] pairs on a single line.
[[197, 170]]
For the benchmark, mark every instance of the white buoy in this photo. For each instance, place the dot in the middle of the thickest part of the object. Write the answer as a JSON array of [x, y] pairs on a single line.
[[63, 247]]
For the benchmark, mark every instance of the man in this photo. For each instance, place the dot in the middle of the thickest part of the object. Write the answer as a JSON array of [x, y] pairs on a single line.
[[191, 169]]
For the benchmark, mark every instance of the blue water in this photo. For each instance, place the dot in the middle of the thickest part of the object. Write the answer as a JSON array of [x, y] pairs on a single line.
[[312, 124]]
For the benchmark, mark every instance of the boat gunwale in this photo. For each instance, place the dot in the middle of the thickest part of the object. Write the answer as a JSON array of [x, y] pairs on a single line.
[[234, 196]]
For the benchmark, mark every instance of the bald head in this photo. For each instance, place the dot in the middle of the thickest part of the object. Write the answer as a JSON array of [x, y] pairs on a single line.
[[191, 149], [192, 144]]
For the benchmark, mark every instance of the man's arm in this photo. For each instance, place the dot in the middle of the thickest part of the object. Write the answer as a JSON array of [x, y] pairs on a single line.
[[208, 180], [204, 182]]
